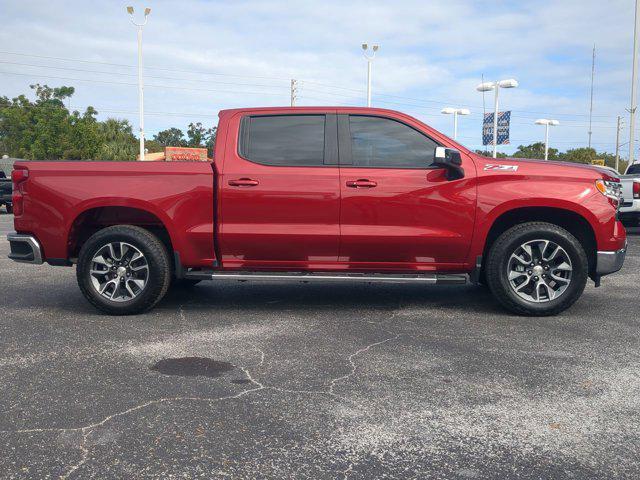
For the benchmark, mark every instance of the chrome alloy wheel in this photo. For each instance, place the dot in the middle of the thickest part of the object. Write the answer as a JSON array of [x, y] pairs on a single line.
[[539, 271], [119, 271]]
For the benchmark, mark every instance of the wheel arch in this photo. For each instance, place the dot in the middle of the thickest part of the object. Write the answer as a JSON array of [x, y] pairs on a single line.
[[575, 223], [96, 217]]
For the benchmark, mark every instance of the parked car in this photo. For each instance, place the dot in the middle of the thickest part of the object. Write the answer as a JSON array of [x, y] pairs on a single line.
[[327, 194], [630, 207], [5, 192]]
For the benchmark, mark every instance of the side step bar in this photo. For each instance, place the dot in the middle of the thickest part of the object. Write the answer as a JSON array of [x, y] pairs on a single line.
[[424, 278]]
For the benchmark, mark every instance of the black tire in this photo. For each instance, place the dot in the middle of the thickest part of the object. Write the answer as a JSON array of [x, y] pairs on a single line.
[[157, 257], [508, 243], [9, 208]]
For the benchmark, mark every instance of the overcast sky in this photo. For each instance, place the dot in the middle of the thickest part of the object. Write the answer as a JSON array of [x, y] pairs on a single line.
[[203, 56]]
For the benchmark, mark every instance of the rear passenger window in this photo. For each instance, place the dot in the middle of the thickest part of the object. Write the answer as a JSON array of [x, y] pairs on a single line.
[[285, 140], [382, 142], [633, 169]]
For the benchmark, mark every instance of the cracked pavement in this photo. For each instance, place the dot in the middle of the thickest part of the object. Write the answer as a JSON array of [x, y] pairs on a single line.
[[329, 381]]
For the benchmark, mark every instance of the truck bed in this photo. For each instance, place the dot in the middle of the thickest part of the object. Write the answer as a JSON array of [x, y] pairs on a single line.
[[63, 199]]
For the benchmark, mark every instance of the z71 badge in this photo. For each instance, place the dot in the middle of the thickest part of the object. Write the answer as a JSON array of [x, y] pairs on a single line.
[[501, 168]]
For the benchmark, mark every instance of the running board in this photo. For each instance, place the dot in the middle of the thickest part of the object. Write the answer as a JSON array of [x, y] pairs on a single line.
[[424, 278]]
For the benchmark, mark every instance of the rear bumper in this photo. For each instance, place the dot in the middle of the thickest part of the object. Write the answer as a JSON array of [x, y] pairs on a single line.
[[24, 248], [630, 207], [610, 262]]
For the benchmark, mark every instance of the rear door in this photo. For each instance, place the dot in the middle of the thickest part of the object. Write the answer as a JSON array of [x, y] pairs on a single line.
[[279, 192], [398, 211]]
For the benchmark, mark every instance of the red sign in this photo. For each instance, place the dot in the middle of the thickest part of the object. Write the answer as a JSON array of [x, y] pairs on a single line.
[[184, 154]]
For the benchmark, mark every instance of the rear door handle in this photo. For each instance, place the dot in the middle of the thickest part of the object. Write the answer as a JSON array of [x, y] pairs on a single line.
[[361, 183], [243, 182]]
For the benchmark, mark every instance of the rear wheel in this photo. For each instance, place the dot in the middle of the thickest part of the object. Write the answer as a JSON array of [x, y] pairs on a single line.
[[123, 270], [9, 208], [537, 268]]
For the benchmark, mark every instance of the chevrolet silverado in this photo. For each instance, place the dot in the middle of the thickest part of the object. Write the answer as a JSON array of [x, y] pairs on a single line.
[[327, 194]]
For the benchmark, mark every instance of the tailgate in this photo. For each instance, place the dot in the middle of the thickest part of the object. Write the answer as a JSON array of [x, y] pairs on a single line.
[[627, 189]]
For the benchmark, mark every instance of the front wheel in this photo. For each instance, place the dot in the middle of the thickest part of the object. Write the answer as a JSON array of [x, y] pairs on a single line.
[[9, 208], [123, 270], [537, 269]]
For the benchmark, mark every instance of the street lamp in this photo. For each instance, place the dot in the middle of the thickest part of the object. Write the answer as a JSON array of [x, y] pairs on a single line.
[[369, 57], [147, 11], [546, 123], [455, 112], [487, 86]]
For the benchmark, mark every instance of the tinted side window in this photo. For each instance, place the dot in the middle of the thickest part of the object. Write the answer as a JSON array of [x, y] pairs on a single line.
[[633, 169], [293, 140], [382, 142]]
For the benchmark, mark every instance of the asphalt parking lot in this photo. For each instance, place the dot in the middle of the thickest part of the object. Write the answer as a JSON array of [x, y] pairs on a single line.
[[316, 381]]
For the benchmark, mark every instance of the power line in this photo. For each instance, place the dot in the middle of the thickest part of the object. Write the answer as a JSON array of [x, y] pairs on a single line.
[[146, 76], [362, 92], [109, 82], [148, 85]]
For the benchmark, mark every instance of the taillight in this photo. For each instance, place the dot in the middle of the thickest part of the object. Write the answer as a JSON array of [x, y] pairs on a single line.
[[636, 189], [18, 176]]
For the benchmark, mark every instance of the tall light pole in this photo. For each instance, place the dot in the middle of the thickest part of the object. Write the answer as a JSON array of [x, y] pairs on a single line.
[[147, 11], [618, 128], [455, 112], [294, 91], [496, 86], [369, 57], [634, 90], [546, 123]]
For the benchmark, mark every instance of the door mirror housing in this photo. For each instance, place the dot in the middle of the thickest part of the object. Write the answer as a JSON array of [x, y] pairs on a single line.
[[450, 159]]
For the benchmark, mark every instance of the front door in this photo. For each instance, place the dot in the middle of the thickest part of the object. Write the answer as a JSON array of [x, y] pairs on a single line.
[[280, 193], [398, 212]]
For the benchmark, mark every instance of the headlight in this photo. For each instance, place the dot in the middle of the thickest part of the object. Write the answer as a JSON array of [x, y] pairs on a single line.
[[609, 189]]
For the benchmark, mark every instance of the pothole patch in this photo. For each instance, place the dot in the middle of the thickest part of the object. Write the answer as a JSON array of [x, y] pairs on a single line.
[[192, 367]]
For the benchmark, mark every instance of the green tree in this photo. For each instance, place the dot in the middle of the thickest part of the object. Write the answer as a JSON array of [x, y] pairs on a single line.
[[44, 129], [84, 136], [201, 137], [579, 155], [489, 153], [535, 150], [151, 146], [171, 137], [117, 141]]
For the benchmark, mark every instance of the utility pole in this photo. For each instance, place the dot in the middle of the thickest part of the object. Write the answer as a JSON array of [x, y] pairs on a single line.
[[147, 11], [618, 127], [593, 71], [634, 92], [294, 91]]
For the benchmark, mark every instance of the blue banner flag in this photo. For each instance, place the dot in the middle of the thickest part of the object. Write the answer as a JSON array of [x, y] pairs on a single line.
[[503, 128]]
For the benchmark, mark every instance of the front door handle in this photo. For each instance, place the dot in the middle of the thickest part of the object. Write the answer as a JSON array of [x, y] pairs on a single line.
[[243, 182], [361, 183]]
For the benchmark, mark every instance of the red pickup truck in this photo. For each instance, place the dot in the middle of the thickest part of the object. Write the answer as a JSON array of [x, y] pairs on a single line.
[[328, 194]]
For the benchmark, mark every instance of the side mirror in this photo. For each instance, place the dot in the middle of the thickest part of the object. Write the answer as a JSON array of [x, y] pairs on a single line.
[[450, 159]]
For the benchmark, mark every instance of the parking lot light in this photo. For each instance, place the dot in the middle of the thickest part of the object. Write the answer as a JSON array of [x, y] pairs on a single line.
[[455, 112], [369, 58], [496, 86], [546, 122]]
